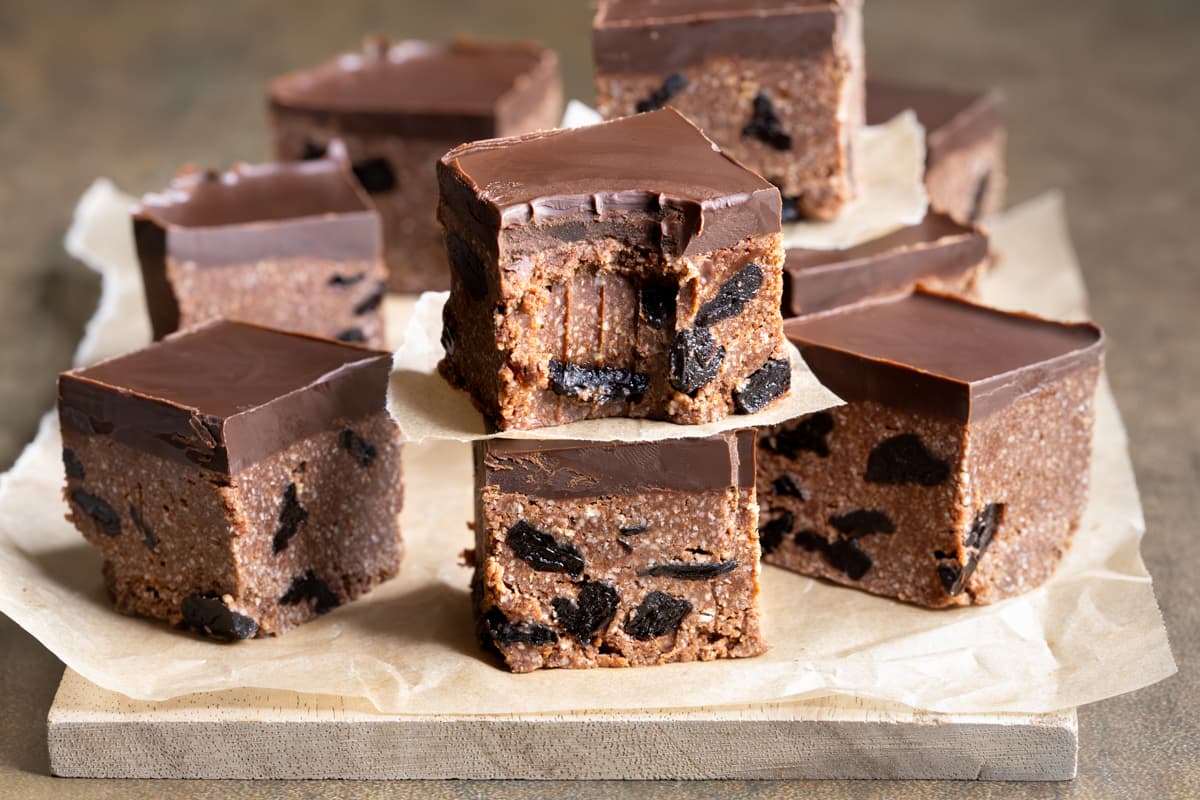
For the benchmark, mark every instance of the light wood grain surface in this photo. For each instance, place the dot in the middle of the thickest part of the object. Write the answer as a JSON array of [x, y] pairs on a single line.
[[1103, 102]]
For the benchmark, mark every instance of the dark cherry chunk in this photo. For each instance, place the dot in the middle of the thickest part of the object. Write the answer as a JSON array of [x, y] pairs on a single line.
[[658, 301], [786, 486], [72, 464], [695, 360], [210, 616], [587, 616], [371, 302], [658, 615], [731, 299], [99, 510], [542, 551], [346, 280], [375, 175], [363, 451], [771, 534], [862, 522], [502, 631], [467, 265], [597, 384], [312, 150], [309, 587], [140, 523], [291, 516], [766, 126], [672, 85], [632, 530], [905, 459], [844, 555], [954, 576], [768, 382], [351, 335], [983, 527], [689, 570], [807, 435]]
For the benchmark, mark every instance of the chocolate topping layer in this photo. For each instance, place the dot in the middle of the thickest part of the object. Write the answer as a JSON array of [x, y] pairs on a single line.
[[568, 468], [456, 89], [933, 353], [951, 118], [657, 164], [819, 280], [665, 35], [224, 395]]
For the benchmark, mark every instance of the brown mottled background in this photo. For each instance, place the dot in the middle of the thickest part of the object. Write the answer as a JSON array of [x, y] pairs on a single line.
[[1103, 104]]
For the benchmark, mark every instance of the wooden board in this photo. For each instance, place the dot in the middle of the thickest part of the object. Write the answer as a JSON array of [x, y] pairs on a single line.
[[260, 734]]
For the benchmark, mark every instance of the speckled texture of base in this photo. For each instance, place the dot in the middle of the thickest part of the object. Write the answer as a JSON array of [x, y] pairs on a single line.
[[929, 542], [300, 532], [970, 183]]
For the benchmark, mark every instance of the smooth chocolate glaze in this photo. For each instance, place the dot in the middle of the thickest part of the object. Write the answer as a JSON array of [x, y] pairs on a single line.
[[568, 468], [656, 166], [461, 90], [661, 36], [224, 395], [936, 247], [933, 353], [308, 209], [951, 118]]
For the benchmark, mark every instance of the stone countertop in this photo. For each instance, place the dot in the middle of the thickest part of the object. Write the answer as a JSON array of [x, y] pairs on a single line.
[[1102, 103]]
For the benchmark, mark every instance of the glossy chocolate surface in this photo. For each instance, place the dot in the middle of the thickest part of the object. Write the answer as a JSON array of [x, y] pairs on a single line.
[[932, 353], [659, 36], [937, 247], [223, 395], [568, 468], [453, 89], [657, 164], [951, 118]]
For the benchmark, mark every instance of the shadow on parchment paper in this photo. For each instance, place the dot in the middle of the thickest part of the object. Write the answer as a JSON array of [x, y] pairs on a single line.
[[430, 396], [438, 614], [77, 568]]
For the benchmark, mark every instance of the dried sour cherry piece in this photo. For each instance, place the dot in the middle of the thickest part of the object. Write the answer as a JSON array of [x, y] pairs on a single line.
[[140, 523], [312, 150], [351, 335], [787, 486], [210, 616], [501, 631], [375, 175], [363, 451], [309, 587], [765, 125], [72, 464], [807, 435], [731, 299], [658, 300], [370, 302], [983, 527], [632, 530], [346, 280], [695, 360], [844, 555], [768, 382], [658, 615], [542, 551], [905, 459], [954, 576], [291, 516], [689, 570], [108, 520], [595, 608], [672, 85], [594, 384], [861, 522], [467, 265], [771, 534]]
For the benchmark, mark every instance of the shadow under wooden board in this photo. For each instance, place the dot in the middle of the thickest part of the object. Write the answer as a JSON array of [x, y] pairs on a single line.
[[264, 734]]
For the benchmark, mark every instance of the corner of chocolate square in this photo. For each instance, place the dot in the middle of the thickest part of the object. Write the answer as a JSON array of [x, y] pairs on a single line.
[[957, 471], [937, 253], [627, 269], [291, 246], [238, 480], [616, 554], [964, 141], [399, 106], [777, 84]]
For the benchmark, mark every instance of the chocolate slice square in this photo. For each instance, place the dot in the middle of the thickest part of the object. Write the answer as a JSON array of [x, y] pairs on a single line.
[[238, 480]]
